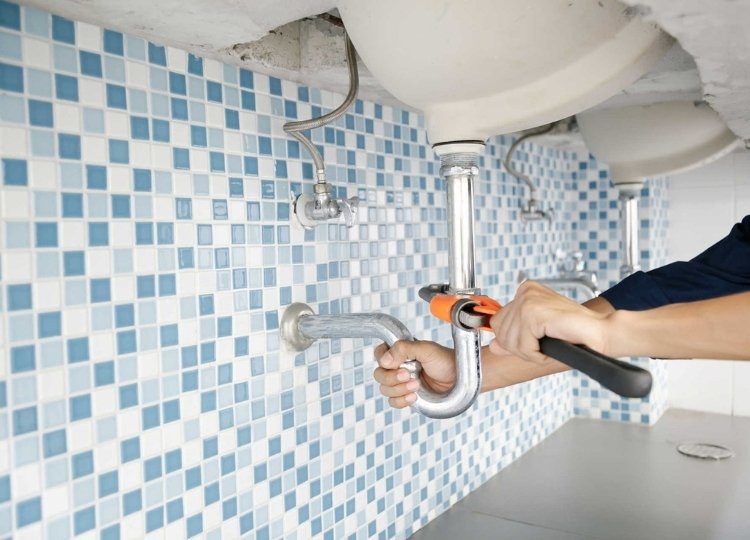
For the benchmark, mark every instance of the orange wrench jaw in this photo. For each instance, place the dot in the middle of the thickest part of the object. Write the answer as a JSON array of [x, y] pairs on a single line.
[[467, 312], [441, 306]]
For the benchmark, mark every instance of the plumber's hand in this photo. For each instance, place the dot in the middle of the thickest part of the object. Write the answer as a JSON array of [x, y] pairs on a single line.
[[537, 311], [438, 370]]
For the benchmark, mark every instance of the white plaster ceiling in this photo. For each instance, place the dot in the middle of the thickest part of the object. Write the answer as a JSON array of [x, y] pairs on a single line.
[[284, 38]]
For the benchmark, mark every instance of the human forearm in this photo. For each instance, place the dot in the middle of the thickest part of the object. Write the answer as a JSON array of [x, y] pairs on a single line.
[[715, 328], [499, 371]]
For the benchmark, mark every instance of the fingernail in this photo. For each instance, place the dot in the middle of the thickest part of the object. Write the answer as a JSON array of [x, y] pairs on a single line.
[[413, 385], [411, 398], [403, 375], [386, 360]]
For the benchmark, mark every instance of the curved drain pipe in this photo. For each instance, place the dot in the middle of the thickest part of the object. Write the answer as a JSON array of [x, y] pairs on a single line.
[[300, 327]]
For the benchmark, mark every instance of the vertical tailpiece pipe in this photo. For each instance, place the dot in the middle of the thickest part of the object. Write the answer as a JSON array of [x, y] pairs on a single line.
[[631, 250]]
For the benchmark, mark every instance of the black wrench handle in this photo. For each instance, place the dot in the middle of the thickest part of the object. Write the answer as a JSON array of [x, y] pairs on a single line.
[[621, 377]]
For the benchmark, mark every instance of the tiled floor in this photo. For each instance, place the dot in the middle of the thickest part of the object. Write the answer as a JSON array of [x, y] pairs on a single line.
[[607, 481]]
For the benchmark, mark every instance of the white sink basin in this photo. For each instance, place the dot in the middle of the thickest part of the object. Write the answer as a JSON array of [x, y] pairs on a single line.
[[479, 68], [651, 140]]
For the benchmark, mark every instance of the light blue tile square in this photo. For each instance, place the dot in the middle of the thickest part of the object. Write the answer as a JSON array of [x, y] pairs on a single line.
[[101, 318], [24, 390], [51, 353], [17, 235], [45, 204], [234, 164], [65, 58], [123, 261], [12, 109], [148, 339], [42, 143], [71, 175], [106, 429], [158, 79], [79, 378], [160, 106], [231, 97], [26, 451], [147, 312], [114, 69], [75, 293], [54, 414], [142, 206], [109, 512], [200, 184], [36, 22], [39, 83], [163, 181], [166, 259], [6, 518], [136, 47], [215, 138], [138, 101], [56, 472], [21, 327], [97, 205], [197, 111], [93, 120], [84, 492], [195, 88]]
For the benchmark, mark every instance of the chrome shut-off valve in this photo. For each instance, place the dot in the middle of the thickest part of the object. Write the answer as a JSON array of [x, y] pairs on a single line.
[[313, 209]]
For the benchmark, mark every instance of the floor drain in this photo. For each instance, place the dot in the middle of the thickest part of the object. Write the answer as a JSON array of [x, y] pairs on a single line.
[[705, 451]]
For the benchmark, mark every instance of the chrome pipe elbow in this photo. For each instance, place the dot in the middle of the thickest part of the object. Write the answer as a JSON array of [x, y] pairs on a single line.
[[300, 328]]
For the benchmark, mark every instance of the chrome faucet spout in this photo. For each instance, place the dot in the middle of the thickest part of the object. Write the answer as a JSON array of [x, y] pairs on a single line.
[[582, 282]]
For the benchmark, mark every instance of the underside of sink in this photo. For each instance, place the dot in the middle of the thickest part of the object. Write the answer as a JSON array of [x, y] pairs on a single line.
[[479, 68]]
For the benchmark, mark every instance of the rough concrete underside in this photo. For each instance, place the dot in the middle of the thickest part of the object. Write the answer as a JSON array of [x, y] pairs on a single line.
[[284, 39]]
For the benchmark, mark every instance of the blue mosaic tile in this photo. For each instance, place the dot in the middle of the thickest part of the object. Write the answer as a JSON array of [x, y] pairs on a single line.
[[172, 275]]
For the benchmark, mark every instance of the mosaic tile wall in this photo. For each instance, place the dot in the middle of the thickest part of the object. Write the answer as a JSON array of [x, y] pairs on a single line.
[[598, 238], [147, 253]]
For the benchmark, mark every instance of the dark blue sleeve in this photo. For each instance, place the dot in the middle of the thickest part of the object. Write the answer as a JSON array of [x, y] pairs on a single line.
[[722, 269]]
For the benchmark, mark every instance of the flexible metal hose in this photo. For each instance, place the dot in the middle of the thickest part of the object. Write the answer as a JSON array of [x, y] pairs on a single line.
[[295, 129], [509, 156]]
